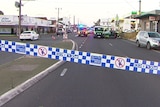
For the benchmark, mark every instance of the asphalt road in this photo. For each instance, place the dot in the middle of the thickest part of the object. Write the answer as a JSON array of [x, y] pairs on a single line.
[[77, 85]]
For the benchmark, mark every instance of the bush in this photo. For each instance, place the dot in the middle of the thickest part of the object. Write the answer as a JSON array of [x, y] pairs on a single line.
[[131, 35]]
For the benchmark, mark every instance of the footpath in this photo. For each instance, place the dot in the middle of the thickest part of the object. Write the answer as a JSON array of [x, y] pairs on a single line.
[[20, 74]]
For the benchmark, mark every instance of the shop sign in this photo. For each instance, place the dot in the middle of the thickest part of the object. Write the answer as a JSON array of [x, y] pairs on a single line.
[[152, 18], [5, 19]]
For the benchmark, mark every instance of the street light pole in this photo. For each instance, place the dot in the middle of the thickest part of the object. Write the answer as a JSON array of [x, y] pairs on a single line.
[[19, 25], [58, 18], [139, 7]]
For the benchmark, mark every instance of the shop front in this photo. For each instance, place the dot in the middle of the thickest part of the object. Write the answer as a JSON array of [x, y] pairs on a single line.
[[9, 25], [150, 21]]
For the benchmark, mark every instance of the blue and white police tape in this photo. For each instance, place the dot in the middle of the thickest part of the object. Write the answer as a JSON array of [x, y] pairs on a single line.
[[80, 57]]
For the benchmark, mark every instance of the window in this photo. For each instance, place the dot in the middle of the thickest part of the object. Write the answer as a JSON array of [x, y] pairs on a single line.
[[154, 35]]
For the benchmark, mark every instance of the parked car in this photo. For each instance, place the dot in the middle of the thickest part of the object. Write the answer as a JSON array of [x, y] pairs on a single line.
[[110, 34], [60, 31], [31, 35], [107, 34], [69, 31], [90, 31], [148, 39]]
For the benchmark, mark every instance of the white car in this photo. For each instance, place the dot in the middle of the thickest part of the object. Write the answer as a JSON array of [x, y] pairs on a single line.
[[31, 35], [148, 39]]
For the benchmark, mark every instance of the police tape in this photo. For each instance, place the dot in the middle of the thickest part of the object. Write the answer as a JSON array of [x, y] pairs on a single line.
[[80, 57]]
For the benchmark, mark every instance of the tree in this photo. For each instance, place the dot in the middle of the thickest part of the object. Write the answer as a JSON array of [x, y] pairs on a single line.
[[1, 13], [60, 19], [97, 23]]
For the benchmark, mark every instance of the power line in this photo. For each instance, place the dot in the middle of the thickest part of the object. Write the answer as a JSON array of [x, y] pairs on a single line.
[[130, 5]]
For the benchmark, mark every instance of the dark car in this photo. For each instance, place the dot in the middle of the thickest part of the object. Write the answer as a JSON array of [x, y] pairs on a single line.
[[60, 31], [69, 31]]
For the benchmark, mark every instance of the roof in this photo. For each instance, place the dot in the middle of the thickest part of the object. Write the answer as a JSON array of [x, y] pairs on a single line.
[[45, 18], [151, 13]]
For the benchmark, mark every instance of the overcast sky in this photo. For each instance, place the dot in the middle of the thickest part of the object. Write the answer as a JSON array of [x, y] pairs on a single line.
[[85, 11]]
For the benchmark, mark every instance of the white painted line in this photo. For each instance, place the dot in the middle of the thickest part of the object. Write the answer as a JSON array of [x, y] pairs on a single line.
[[156, 51], [110, 44], [81, 46], [63, 72]]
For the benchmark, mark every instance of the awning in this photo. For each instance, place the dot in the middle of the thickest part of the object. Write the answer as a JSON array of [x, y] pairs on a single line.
[[147, 14]]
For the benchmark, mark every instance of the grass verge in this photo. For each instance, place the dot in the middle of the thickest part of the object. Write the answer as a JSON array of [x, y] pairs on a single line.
[[20, 70]]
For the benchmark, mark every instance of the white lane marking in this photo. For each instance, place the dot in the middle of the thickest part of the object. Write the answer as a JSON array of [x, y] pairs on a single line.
[[82, 43], [76, 46], [130, 42], [156, 51], [110, 44], [63, 72], [76, 35], [81, 46]]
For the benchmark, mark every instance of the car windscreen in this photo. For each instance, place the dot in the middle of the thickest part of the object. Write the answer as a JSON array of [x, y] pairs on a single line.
[[59, 29], [98, 29], [26, 32], [82, 29], [154, 35]]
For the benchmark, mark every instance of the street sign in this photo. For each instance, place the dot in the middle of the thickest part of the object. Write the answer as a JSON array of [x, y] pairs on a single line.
[[17, 4]]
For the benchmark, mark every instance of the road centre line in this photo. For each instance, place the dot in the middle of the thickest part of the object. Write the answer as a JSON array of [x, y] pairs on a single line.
[[63, 72], [110, 44], [81, 46]]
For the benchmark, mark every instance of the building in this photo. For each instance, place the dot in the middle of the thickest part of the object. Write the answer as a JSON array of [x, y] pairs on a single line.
[[150, 21], [130, 24], [9, 24]]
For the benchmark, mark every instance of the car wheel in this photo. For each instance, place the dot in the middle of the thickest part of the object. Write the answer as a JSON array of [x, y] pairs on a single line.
[[138, 44], [148, 45]]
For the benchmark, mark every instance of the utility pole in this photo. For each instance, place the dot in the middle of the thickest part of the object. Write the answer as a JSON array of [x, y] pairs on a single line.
[[73, 20], [19, 5], [58, 18], [139, 7]]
